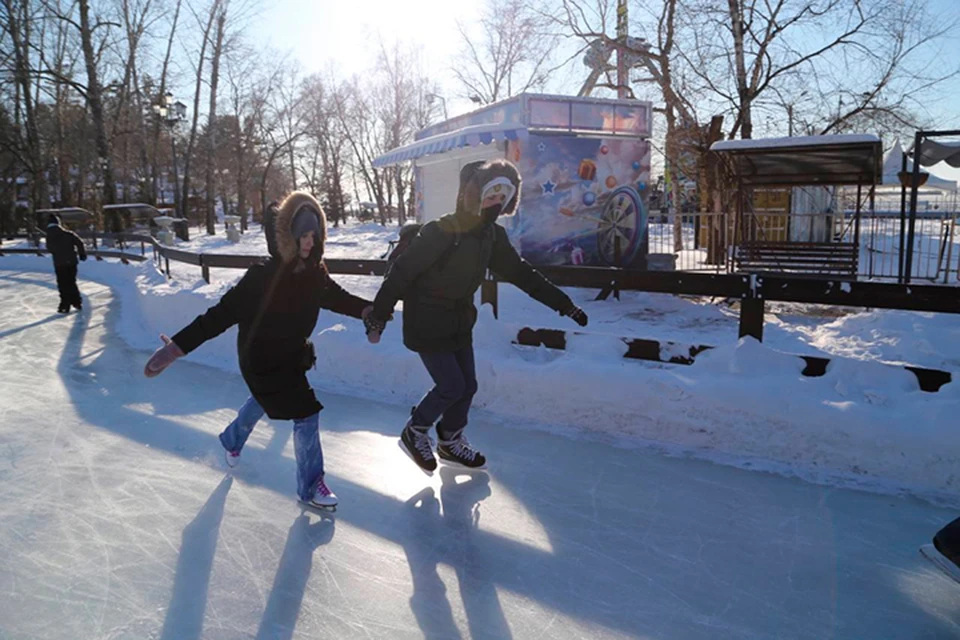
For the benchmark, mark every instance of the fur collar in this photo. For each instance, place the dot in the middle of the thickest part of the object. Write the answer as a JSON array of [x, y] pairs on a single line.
[[286, 243]]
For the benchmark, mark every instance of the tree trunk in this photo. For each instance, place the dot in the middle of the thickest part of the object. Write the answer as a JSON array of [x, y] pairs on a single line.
[[18, 27], [179, 211], [94, 99], [211, 178], [185, 197], [743, 90]]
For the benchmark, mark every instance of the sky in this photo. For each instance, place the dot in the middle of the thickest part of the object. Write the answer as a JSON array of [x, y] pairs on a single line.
[[321, 33]]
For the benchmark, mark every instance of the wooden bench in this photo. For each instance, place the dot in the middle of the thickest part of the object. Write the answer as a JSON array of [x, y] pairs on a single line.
[[809, 259]]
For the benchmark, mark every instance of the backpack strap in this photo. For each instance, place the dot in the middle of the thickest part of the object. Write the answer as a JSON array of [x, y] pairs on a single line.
[[441, 262]]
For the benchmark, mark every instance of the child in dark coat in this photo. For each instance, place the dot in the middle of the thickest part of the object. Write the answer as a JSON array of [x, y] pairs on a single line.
[[276, 305]]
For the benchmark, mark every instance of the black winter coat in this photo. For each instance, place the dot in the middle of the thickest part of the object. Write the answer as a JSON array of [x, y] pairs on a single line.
[[437, 281], [64, 246], [276, 310]]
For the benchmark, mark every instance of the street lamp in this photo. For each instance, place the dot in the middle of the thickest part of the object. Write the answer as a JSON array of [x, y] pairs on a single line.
[[171, 113], [430, 97]]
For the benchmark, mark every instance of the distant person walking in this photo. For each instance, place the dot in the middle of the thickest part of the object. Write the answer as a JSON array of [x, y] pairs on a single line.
[[65, 246]]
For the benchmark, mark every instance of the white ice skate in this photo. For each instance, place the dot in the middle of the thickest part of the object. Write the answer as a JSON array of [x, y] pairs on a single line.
[[232, 458], [323, 500], [941, 562]]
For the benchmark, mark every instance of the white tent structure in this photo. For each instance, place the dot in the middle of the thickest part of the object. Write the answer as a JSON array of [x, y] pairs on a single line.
[[892, 164]]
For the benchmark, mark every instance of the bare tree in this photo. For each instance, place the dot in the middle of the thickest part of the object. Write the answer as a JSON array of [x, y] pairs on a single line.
[[19, 29], [161, 91], [508, 53], [355, 111], [191, 141], [95, 100], [220, 9]]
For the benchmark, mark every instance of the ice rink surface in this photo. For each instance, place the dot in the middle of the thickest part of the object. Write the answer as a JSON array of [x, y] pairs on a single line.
[[119, 520]]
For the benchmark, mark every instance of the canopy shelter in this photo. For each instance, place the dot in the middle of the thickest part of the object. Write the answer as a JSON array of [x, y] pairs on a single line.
[[764, 242], [933, 152], [928, 149], [72, 217], [840, 160], [135, 211], [893, 165]]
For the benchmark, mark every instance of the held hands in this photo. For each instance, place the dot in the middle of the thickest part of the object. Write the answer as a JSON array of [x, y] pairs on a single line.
[[576, 314], [373, 325], [162, 357]]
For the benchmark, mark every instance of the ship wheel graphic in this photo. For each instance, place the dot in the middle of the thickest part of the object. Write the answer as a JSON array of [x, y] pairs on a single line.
[[623, 217]]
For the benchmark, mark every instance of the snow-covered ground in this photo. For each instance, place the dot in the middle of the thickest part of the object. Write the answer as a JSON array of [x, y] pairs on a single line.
[[119, 521]]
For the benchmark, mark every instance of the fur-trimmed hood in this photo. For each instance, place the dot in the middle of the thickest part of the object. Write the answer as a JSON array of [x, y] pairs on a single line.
[[476, 174], [286, 244]]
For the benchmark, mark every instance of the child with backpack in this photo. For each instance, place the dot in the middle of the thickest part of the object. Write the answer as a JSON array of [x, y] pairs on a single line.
[[436, 274]]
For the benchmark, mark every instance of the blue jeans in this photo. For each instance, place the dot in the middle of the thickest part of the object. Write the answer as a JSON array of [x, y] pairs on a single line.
[[455, 383], [306, 444]]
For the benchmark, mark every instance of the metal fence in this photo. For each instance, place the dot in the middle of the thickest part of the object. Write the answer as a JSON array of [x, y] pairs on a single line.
[[704, 242]]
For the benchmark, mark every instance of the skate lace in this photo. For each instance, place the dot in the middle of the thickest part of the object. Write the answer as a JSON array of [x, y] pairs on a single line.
[[423, 443], [322, 489], [462, 449]]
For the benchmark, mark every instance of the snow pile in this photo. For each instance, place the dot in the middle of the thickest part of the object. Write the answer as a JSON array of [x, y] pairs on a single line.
[[742, 403]]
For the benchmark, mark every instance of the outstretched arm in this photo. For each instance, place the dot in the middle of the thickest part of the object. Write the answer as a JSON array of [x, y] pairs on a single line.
[[241, 298], [337, 299], [505, 262]]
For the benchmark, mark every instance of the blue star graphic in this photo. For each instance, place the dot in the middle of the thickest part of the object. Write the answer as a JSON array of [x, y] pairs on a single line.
[[548, 187], [541, 147]]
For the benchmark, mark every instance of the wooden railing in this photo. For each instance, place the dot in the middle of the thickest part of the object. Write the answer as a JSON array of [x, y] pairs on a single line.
[[751, 291]]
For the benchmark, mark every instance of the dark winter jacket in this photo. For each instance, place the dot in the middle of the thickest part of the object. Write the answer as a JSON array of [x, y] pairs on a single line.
[[64, 246], [437, 278], [276, 309]]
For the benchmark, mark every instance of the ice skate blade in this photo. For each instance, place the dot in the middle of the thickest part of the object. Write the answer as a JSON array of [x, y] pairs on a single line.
[[403, 448], [453, 464], [317, 508], [941, 562]]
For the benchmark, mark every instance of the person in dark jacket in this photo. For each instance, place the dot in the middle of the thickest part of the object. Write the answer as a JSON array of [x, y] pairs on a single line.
[[276, 305], [436, 277], [65, 247]]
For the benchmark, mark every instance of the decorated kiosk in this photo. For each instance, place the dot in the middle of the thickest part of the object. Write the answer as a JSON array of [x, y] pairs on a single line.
[[585, 165]]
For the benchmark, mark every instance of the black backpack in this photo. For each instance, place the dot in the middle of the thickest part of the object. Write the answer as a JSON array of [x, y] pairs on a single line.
[[408, 232]]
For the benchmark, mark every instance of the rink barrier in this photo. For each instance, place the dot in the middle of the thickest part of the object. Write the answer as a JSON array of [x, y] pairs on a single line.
[[748, 291], [930, 380]]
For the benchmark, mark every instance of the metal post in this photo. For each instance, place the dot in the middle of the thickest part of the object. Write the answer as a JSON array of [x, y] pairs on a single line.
[[751, 318], [176, 178], [914, 188], [903, 219], [856, 220]]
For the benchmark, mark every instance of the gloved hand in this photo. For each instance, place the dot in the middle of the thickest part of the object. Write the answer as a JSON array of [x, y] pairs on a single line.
[[576, 314], [373, 325], [162, 357]]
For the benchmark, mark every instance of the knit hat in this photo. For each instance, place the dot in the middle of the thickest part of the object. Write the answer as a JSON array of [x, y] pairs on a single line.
[[53, 220], [305, 220]]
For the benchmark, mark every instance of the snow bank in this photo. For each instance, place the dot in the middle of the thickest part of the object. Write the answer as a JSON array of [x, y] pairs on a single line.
[[743, 403]]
